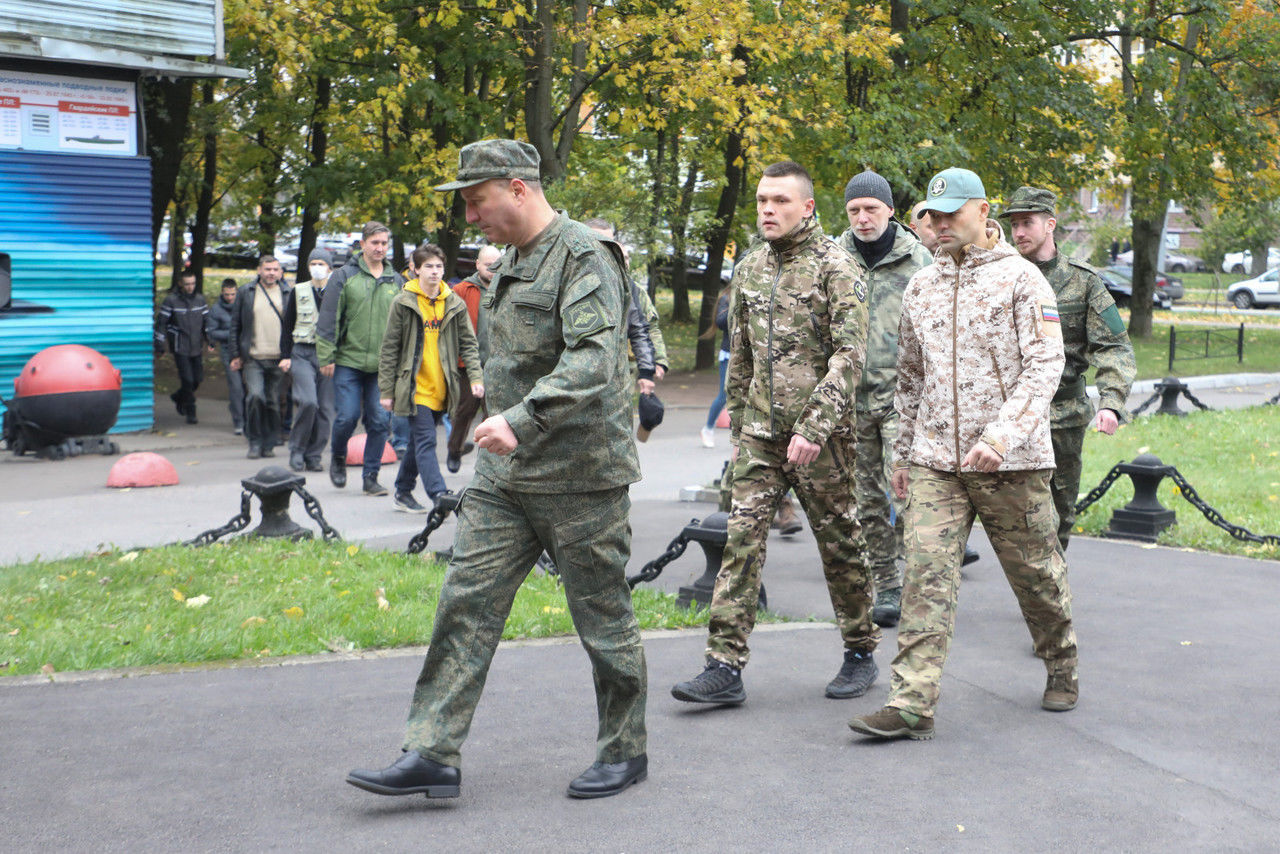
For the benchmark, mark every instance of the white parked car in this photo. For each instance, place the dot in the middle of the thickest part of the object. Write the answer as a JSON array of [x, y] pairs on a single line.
[[1239, 262], [1258, 291], [1174, 262]]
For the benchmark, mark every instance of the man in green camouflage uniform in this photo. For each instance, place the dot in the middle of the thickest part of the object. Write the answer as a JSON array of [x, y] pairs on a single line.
[[1093, 333], [557, 458], [799, 329], [891, 255], [979, 359]]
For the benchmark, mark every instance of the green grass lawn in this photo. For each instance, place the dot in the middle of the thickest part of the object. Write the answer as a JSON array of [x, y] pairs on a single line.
[[249, 599], [1261, 351], [1231, 458]]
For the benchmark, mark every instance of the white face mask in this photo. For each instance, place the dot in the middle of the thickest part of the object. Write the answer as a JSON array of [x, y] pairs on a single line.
[[319, 271]]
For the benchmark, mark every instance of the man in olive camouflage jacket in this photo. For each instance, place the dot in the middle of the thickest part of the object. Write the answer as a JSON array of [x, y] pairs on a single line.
[[979, 359], [891, 255], [799, 321], [1093, 333]]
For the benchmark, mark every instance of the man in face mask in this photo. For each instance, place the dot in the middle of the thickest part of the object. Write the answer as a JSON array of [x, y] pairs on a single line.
[[312, 391]]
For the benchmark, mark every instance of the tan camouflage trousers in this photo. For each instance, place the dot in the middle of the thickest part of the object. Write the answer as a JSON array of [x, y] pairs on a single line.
[[874, 435], [1018, 516], [761, 477], [1068, 443], [500, 535]]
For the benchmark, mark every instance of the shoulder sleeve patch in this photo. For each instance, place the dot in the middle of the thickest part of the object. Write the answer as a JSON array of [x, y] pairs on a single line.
[[1050, 323], [1111, 316]]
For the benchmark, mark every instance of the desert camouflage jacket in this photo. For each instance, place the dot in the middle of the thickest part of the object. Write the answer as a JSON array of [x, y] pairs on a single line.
[[799, 334], [1093, 333], [885, 284], [979, 358]]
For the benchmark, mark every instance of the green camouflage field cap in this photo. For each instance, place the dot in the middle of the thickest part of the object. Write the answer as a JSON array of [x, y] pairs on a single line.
[[950, 189], [494, 158], [1031, 200]]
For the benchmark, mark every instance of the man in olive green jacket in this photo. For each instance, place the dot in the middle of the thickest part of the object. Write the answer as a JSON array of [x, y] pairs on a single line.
[[418, 376], [353, 318]]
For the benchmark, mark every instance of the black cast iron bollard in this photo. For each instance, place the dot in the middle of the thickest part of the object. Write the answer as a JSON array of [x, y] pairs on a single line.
[[712, 533], [274, 485], [1169, 389], [1144, 517]]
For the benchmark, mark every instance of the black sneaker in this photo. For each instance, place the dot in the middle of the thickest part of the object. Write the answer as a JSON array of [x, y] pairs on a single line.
[[314, 464], [372, 487], [338, 471], [855, 677], [888, 608], [191, 414], [453, 463], [718, 683], [406, 503]]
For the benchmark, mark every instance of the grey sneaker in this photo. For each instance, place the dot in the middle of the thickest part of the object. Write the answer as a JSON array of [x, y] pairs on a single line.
[[893, 723], [718, 683], [406, 503], [856, 675], [1061, 692], [888, 608]]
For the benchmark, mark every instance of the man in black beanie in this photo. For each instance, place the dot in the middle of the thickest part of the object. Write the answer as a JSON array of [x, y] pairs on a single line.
[[891, 255]]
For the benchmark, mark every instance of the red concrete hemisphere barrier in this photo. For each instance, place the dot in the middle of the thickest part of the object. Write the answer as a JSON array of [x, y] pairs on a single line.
[[142, 469], [355, 451]]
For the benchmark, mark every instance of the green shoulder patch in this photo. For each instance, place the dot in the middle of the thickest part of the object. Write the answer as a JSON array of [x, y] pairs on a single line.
[[1111, 316], [585, 316]]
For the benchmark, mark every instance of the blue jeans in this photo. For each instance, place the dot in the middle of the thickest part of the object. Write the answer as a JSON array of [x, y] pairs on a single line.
[[718, 403], [399, 431], [421, 459], [352, 391]]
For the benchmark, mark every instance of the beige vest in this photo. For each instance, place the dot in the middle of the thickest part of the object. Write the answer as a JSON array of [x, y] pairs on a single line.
[[304, 328]]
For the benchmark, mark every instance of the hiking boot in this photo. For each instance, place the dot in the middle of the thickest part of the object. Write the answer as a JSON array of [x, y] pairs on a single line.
[[191, 414], [372, 487], [1061, 692], [406, 503], [888, 608], [786, 520], [296, 462], [894, 723], [855, 677], [314, 464], [453, 463], [338, 471], [718, 683]]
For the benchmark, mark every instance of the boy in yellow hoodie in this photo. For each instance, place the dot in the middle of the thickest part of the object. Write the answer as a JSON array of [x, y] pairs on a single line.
[[428, 331]]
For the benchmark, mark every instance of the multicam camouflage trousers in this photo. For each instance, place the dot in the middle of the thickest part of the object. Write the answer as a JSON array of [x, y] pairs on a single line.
[[1068, 443], [500, 534], [874, 435], [761, 477], [1018, 517]]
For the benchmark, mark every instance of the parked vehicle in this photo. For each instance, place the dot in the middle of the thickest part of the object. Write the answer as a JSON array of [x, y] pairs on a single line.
[[1174, 262], [1259, 291], [234, 256], [695, 272], [1242, 262], [1120, 286], [1170, 284]]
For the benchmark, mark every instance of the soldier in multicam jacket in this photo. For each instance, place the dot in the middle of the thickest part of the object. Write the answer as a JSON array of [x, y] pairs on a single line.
[[1093, 333], [891, 255], [979, 359], [557, 457], [799, 322]]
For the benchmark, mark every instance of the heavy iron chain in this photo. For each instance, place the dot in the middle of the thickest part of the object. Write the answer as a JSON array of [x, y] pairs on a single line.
[[1099, 490], [1193, 498], [312, 506], [653, 568], [238, 522], [1237, 531], [1186, 392], [435, 519], [1143, 407], [1275, 401]]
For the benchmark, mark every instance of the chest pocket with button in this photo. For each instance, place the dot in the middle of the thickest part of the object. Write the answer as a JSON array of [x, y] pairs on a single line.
[[533, 324]]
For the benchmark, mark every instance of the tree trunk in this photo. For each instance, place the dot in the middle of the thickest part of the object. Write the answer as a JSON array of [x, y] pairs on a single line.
[[177, 232], [204, 203], [1258, 258], [718, 237], [679, 225], [168, 108], [1146, 248], [319, 151]]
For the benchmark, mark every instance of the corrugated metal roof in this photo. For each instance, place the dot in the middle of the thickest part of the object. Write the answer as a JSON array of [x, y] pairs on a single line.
[[78, 231], [173, 27]]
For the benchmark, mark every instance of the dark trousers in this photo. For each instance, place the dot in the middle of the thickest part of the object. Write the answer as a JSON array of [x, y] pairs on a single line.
[[190, 375], [312, 402], [235, 392], [262, 378], [356, 391], [420, 457], [468, 406]]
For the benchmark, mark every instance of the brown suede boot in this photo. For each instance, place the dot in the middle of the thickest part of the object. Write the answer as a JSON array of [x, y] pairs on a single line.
[[1061, 692], [786, 520]]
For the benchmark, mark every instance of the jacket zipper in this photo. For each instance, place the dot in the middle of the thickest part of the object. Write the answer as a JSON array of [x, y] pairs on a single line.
[[955, 364], [773, 295]]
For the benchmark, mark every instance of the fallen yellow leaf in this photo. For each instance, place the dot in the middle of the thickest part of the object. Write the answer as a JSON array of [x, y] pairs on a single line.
[[47, 669], [353, 550], [198, 601], [177, 595], [1186, 643], [383, 604], [14, 632], [252, 621], [293, 613]]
